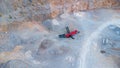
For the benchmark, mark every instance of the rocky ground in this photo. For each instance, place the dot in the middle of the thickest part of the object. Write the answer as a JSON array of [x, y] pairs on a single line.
[[29, 36], [36, 45]]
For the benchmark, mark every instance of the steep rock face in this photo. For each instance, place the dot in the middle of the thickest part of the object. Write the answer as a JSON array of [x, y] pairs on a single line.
[[40, 10], [61, 6]]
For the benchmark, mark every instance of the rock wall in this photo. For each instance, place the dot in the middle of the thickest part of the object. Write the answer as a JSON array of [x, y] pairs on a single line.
[[44, 9], [61, 6]]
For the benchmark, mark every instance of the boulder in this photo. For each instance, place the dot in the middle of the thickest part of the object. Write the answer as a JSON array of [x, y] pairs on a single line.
[[15, 64]]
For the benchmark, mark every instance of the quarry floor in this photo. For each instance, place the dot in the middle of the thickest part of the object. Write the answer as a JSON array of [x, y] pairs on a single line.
[[21, 47]]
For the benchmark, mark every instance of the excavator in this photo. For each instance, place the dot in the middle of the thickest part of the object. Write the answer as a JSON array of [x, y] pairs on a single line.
[[69, 33]]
